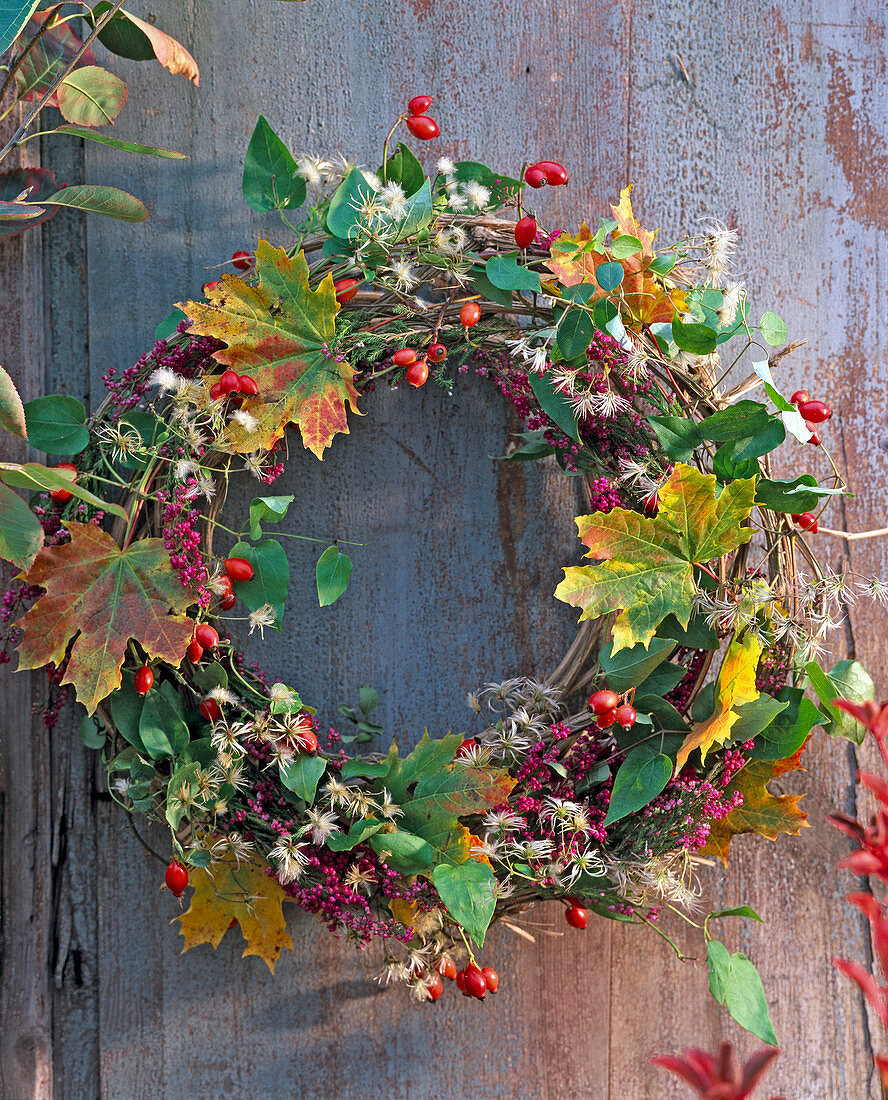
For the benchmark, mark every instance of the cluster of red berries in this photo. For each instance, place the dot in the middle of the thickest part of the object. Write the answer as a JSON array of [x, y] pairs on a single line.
[[546, 172], [806, 520], [814, 413], [418, 122], [418, 366], [608, 707], [232, 384]]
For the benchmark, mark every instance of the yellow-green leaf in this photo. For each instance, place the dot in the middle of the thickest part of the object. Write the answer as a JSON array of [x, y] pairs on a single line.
[[645, 566]]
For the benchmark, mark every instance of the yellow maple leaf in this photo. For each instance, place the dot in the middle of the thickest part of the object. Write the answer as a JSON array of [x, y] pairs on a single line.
[[237, 892], [403, 910], [630, 225], [736, 686], [760, 812]]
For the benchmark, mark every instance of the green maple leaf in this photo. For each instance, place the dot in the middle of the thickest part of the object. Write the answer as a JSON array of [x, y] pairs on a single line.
[[96, 598], [282, 334], [645, 566]]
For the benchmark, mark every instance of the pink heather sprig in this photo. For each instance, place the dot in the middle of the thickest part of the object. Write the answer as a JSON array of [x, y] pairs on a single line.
[[182, 537]]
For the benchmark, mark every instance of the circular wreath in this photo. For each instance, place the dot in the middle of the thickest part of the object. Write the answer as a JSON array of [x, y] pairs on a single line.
[[703, 609]]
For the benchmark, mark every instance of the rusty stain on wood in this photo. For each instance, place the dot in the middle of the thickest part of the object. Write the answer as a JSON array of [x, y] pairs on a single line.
[[782, 132]]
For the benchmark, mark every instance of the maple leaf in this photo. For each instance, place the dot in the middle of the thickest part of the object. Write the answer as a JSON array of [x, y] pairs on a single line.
[[444, 795], [736, 686], [242, 892], [642, 299], [761, 812], [646, 566], [282, 334], [98, 597]]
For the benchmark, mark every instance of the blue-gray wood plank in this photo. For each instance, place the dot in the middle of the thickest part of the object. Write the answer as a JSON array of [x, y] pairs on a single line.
[[773, 119]]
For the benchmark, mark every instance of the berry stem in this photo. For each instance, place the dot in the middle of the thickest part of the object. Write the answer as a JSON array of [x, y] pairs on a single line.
[[385, 146]]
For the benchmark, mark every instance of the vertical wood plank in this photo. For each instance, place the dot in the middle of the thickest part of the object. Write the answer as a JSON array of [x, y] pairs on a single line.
[[767, 120], [26, 1055]]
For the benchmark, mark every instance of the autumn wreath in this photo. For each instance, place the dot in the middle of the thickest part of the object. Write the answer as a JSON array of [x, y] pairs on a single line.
[[703, 608]]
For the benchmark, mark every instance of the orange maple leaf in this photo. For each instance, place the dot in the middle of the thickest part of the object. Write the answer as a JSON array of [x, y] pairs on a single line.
[[241, 892], [282, 334], [642, 298], [98, 597], [736, 686], [761, 812]]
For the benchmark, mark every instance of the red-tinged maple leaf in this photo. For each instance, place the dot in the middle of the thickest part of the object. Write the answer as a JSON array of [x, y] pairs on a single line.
[[96, 598], [646, 568], [735, 686], [642, 298], [719, 1077], [761, 812], [282, 334], [241, 892]]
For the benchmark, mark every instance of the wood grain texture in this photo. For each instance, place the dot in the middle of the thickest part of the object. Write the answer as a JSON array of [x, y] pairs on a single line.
[[26, 889], [771, 119]]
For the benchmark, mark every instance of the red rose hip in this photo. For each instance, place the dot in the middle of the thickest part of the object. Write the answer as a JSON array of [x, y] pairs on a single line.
[[577, 916], [600, 702], [815, 411], [62, 496], [423, 127], [206, 636], [419, 104], [417, 373], [525, 232], [346, 289], [239, 569], [176, 878], [535, 177], [242, 260], [470, 314], [143, 680]]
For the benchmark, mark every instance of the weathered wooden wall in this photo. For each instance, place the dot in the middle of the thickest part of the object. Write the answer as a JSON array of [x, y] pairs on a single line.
[[770, 117]]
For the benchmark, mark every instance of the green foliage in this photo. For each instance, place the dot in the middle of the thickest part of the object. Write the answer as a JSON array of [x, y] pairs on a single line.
[[627, 668], [267, 510], [21, 535], [271, 576], [693, 338], [302, 775], [774, 330], [14, 14], [118, 143], [555, 405], [641, 777], [162, 727], [57, 424], [575, 332], [505, 272], [111, 202], [467, 891], [332, 573], [735, 983], [271, 180]]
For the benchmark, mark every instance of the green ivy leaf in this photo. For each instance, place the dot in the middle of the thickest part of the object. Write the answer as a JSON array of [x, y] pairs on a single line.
[[609, 276], [332, 573], [404, 852], [575, 332], [357, 834], [735, 983], [744, 420], [678, 436], [851, 681], [57, 424], [21, 535], [642, 776], [624, 244], [736, 911], [271, 576], [162, 728], [554, 404], [505, 272], [405, 169], [693, 338], [789, 730], [271, 181], [302, 775], [627, 668], [267, 510], [788, 495], [467, 890], [774, 330], [756, 716]]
